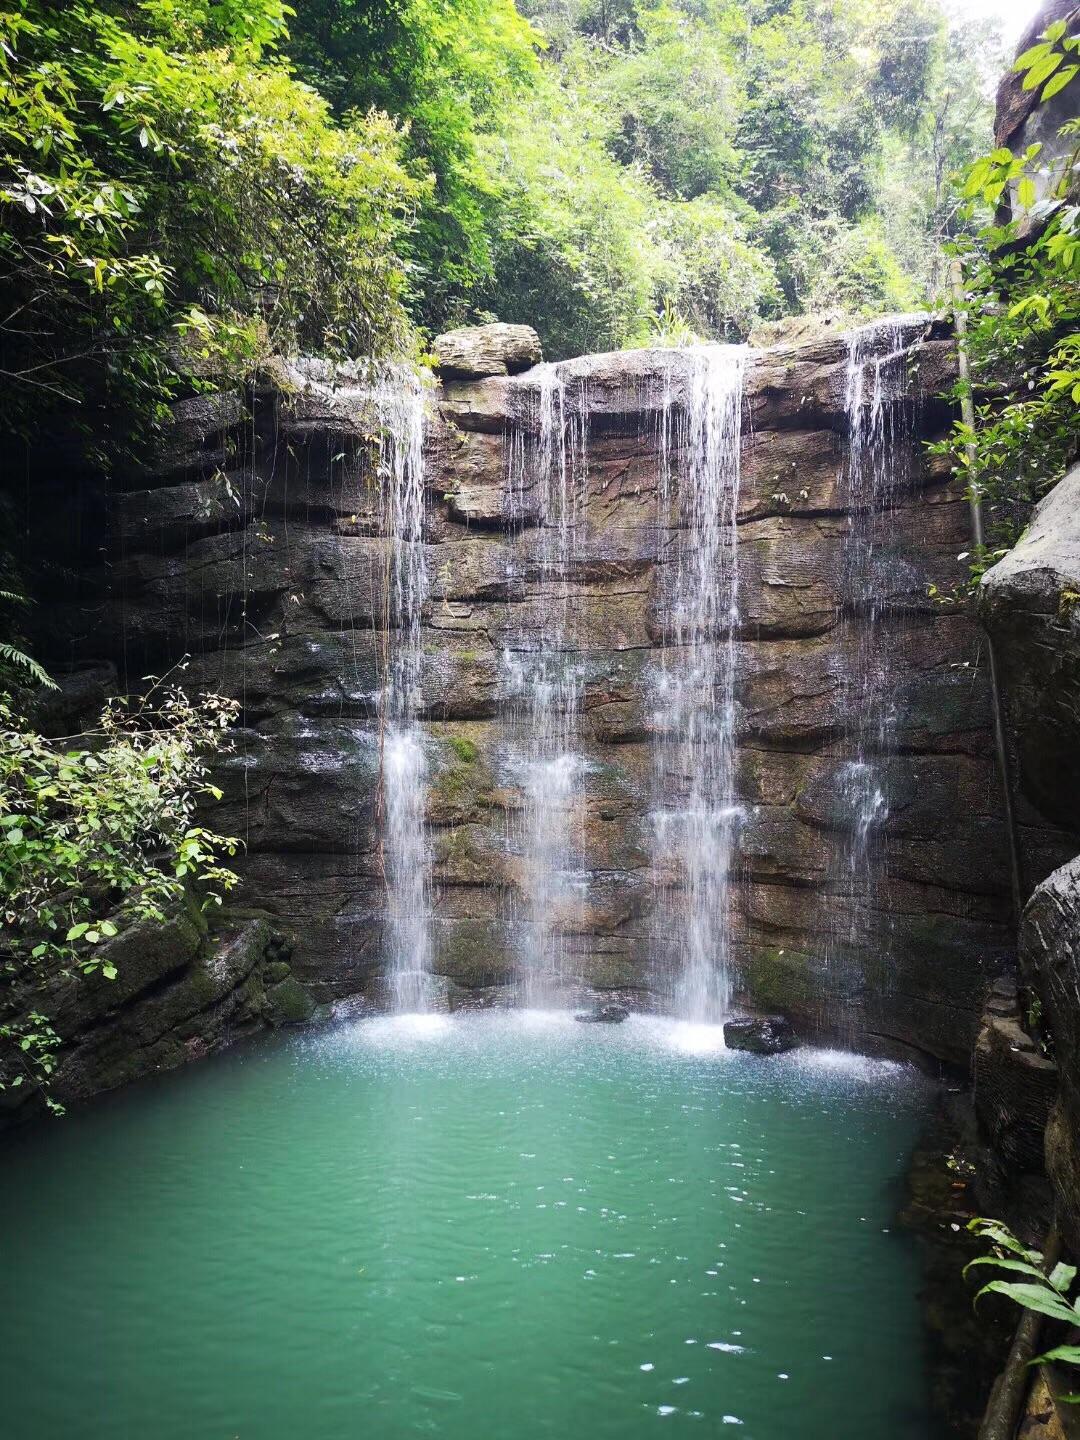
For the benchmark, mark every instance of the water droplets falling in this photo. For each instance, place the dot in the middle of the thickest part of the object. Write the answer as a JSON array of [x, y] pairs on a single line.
[[399, 401], [696, 818], [879, 428], [546, 685]]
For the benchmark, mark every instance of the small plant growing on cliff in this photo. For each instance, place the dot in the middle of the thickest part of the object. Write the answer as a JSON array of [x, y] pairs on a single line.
[[1046, 1292], [1022, 299], [94, 836]]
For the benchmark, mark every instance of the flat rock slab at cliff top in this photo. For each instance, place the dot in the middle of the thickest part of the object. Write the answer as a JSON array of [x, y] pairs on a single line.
[[786, 386], [476, 351]]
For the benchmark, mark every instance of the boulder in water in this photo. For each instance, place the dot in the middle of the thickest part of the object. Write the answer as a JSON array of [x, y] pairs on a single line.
[[476, 352], [760, 1034], [609, 1014]]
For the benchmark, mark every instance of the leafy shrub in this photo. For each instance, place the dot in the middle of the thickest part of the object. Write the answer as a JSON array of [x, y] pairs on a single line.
[[157, 172], [1021, 284], [98, 835], [1045, 1291]]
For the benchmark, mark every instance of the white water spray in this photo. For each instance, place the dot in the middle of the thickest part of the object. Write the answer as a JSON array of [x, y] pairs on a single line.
[[697, 817], [546, 682], [879, 433], [407, 862]]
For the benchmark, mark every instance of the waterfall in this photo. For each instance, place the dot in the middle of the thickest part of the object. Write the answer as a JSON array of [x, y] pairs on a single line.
[[399, 401], [696, 819], [546, 685], [879, 432]]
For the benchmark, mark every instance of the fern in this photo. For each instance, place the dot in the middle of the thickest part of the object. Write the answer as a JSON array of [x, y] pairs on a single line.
[[28, 664]]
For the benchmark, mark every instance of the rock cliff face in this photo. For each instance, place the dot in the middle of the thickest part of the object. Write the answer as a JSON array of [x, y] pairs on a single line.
[[253, 545], [1030, 604]]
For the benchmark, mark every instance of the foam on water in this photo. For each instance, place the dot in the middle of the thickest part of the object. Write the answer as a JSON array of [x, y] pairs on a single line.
[[548, 1032]]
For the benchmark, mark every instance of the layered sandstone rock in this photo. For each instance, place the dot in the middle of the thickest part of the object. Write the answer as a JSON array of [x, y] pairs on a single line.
[[178, 995], [1030, 603], [255, 548], [476, 351], [1050, 949]]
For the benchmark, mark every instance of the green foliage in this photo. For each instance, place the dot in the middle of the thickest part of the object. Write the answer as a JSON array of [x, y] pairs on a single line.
[[585, 167], [1049, 63], [465, 750], [714, 276], [97, 836], [1043, 1290], [1022, 297], [158, 173], [453, 71], [16, 666], [11, 655], [574, 255], [598, 165]]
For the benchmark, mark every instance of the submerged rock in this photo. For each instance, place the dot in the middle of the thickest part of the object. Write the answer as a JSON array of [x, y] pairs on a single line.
[[605, 1015], [760, 1034]]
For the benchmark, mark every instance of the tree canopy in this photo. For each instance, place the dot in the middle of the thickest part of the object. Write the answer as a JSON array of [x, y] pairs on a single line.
[[352, 175]]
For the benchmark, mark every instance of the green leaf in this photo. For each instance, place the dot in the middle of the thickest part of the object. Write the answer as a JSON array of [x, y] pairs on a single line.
[[1025, 192], [1062, 1277], [77, 931], [1039, 1298], [109, 971], [1003, 1236], [1028, 58], [1070, 1354], [1004, 1263], [1059, 81], [1042, 70]]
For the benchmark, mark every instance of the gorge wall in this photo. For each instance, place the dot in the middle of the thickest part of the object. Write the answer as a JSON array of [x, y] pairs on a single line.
[[1030, 605], [253, 545]]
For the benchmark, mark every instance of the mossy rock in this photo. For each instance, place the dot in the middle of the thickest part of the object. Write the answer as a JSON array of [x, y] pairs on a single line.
[[459, 790], [276, 971], [473, 954], [288, 1003], [467, 751], [611, 972], [775, 979]]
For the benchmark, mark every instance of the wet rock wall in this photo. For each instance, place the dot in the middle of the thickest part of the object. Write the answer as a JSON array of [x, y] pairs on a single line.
[[252, 544]]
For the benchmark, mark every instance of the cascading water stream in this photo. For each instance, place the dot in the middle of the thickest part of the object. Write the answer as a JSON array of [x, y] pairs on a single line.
[[879, 425], [696, 819], [546, 684], [392, 404], [400, 405]]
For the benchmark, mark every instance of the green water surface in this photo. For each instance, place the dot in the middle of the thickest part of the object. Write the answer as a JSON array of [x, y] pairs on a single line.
[[495, 1227]]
